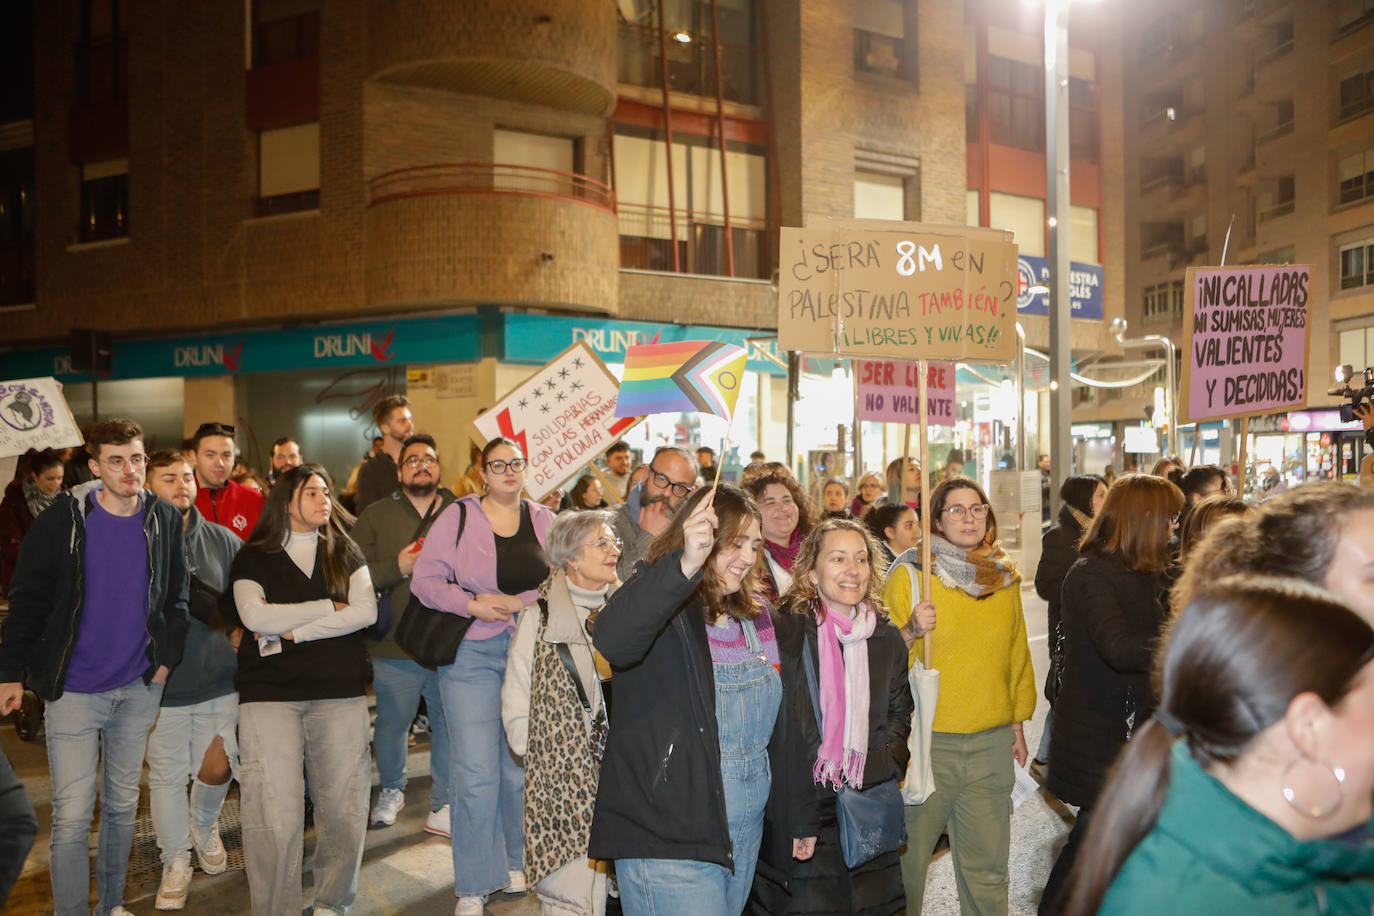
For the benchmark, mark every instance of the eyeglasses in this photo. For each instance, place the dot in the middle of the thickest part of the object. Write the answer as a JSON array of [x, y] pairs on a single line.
[[978, 511], [415, 461], [118, 463], [664, 482], [499, 467], [606, 545]]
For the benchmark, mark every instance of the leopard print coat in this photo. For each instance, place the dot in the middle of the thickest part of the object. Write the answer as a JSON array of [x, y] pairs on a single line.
[[560, 773]]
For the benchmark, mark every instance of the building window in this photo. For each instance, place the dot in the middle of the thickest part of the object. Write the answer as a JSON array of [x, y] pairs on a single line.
[[1280, 42], [1357, 348], [1082, 120], [1275, 203], [880, 44], [697, 216], [1083, 234], [104, 200], [691, 47], [879, 196], [1357, 264], [1156, 39], [972, 210], [1356, 95], [1163, 302], [1025, 216], [289, 169], [102, 59], [283, 32], [16, 227], [1285, 255], [1016, 104], [1357, 177]]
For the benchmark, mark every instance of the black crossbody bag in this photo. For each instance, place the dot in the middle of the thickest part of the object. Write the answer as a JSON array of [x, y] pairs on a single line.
[[432, 637]]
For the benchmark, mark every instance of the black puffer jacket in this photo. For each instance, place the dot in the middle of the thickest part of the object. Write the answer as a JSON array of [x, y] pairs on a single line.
[[661, 795], [1058, 552], [1112, 619]]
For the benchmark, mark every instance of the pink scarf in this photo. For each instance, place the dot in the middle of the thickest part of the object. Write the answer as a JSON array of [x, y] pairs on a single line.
[[785, 556], [843, 688]]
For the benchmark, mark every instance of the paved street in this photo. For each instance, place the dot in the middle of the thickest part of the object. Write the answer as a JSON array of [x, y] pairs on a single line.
[[408, 871]]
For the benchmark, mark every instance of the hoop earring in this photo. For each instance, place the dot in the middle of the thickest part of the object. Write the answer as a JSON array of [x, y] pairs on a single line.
[[1316, 811]]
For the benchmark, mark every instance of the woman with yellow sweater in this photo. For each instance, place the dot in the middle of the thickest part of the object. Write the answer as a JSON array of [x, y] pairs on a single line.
[[987, 690]]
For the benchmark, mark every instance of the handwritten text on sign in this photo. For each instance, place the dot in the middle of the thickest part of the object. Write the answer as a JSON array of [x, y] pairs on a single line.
[[1246, 340], [915, 291], [34, 414], [562, 417], [888, 391]]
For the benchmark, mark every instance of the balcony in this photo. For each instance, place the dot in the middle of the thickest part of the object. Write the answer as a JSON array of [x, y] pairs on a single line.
[[556, 53], [1273, 133], [1273, 212], [1173, 126], [1274, 53], [646, 243], [486, 232], [691, 65], [1174, 193]]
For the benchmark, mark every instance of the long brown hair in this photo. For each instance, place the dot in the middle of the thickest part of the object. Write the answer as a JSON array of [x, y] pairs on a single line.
[[803, 597], [341, 557], [1239, 653], [1294, 534], [1133, 524], [1203, 516], [733, 509]]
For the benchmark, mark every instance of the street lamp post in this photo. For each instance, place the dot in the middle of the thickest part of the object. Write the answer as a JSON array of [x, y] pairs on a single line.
[[1057, 206]]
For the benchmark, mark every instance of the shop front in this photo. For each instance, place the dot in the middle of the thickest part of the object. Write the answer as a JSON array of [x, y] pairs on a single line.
[[1305, 445]]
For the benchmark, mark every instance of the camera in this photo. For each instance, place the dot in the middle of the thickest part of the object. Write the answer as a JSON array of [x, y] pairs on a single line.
[[1357, 395]]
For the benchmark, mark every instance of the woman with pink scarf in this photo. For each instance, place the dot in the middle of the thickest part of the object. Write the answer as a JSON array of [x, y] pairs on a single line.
[[833, 621]]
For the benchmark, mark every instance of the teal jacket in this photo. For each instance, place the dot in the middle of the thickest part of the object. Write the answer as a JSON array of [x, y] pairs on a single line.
[[1212, 853]]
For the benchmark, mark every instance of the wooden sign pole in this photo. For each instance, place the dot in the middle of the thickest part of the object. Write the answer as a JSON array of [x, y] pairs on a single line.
[[1197, 434], [1244, 435], [927, 642], [607, 487]]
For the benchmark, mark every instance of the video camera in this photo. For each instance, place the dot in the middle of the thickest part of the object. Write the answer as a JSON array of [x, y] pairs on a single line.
[[1358, 396]]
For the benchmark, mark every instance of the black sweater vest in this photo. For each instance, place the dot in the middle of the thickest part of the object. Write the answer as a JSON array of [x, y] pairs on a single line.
[[321, 669]]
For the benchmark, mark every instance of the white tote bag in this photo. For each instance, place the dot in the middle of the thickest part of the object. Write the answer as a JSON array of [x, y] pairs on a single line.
[[919, 783]]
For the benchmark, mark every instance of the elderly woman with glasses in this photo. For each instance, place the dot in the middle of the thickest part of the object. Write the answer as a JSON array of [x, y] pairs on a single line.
[[987, 690], [484, 559], [553, 705]]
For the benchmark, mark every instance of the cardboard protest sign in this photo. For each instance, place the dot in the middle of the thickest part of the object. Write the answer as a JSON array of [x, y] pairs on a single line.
[[1245, 341], [887, 391], [34, 414], [904, 291], [562, 417]]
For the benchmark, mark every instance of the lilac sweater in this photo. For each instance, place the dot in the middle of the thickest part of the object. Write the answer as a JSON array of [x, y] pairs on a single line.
[[446, 577]]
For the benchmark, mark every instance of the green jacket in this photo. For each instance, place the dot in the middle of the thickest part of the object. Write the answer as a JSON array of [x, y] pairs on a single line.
[[383, 528], [1212, 853]]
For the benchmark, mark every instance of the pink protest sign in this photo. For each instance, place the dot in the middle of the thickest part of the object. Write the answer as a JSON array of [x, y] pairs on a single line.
[[887, 391], [1245, 341]]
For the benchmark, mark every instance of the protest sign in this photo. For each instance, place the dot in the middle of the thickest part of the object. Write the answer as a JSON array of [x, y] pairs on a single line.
[[887, 391], [908, 291], [562, 417], [34, 414], [1245, 341]]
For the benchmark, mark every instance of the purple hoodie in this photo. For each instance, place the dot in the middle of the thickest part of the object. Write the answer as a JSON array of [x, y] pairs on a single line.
[[447, 577]]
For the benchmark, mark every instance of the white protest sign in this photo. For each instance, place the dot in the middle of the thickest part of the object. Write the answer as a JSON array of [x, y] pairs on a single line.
[[34, 414], [562, 417]]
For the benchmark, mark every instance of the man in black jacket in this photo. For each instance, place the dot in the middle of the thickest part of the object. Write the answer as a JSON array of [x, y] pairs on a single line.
[[97, 621]]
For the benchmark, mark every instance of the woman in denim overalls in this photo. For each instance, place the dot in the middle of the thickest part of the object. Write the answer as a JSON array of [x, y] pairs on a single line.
[[700, 728]]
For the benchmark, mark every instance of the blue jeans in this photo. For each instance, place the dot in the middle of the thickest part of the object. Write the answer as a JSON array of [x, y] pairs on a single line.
[[486, 782], [175, 751], [90, 736], [747, 699], [400, 683]]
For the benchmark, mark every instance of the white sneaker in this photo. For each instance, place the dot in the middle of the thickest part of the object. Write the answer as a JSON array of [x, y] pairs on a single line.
[[438, 823], [389, 803], [121, 911], [469, 906], [517, 883], [210, 851], [176, 884]]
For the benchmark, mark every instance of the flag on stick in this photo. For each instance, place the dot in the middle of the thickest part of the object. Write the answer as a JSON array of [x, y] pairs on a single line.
[[701, 376]]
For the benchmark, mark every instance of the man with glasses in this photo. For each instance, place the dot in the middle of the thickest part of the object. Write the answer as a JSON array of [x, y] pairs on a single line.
[[390, 532], [97, 619], [646, 512], [218, 498]]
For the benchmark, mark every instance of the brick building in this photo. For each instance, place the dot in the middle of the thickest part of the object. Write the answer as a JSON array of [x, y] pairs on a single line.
[[280, 209]]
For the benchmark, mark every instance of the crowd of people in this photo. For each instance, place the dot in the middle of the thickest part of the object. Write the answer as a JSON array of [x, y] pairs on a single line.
[[662, 694]]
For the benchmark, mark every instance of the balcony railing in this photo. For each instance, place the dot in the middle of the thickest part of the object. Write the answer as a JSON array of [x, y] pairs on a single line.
[[490, 178], [1274, 53], [1274, 133], [646, 242], [1282, 208]]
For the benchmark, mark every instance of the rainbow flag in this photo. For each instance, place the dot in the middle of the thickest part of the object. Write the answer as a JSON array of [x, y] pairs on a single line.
[[701, 376]]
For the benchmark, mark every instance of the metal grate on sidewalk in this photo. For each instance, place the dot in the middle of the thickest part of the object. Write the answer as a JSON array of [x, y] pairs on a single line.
[[145, 860]]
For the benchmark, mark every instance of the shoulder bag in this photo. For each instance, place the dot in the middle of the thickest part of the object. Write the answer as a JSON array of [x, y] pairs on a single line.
[[431, 637], [872, 821]]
